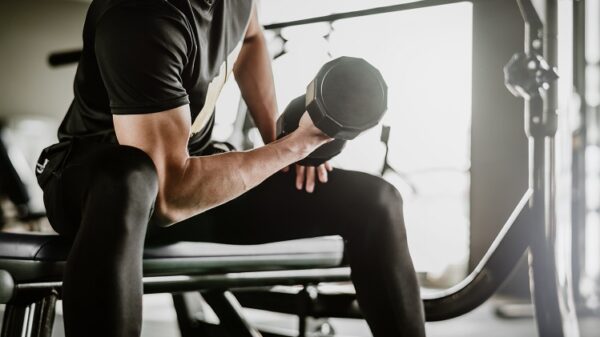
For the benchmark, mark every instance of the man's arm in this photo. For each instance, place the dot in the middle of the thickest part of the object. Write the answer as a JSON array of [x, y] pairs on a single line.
[[191, 185], [254, 76]]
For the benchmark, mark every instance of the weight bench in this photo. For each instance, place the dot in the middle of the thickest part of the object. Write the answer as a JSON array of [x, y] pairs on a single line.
[[31, 267]]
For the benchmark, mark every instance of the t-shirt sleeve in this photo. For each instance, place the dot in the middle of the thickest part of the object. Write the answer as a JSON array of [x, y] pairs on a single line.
[[141, 54]]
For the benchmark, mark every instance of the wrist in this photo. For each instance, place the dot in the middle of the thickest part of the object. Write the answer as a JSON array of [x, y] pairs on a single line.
[[301, 145]]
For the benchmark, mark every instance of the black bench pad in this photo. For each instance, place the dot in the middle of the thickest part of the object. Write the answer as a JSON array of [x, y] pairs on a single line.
[[40, 257]]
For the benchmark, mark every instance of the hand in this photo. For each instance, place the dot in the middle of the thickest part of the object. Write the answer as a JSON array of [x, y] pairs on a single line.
[[307, 127], [305, 175]]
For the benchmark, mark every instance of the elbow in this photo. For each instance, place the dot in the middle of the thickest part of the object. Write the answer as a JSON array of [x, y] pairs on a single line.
[[169, 207], [167, 213], [163, 216]]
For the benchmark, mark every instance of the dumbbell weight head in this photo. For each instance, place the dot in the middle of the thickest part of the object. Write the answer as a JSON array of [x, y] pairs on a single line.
[[347, 97]]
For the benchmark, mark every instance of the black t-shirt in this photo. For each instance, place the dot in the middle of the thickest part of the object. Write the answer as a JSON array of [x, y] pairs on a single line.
[[146, 56]]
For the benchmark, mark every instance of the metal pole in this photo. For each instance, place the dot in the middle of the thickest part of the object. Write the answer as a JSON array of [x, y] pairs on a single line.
[[579, 141], [551, 295], [592, 101], [364, 12]]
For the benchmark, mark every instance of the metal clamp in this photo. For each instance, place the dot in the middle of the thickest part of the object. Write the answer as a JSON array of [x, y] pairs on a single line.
[[527, 76]]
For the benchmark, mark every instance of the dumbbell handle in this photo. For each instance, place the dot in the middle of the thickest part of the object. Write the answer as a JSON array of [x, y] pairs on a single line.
[[288, 122]]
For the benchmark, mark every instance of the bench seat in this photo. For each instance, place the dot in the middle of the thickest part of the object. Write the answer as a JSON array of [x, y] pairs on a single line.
[[41, 257]]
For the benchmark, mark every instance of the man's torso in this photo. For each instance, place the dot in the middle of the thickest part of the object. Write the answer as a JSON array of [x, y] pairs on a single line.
[[216, 34]]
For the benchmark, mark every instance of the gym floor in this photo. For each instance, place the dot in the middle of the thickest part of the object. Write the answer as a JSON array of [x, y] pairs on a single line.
[[160, 321]]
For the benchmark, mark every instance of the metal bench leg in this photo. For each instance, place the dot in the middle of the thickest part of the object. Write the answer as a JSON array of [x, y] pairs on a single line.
[[190, 316], [43, 313], [229, 311], [15, 319], [185, 318], [30, 319]]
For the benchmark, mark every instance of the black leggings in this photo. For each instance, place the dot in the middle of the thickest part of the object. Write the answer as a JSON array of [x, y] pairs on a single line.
[[103, 198]]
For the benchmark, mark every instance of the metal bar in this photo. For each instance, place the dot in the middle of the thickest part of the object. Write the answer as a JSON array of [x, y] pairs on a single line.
[[302, 313], [592, 108], [552, 299], [188, 306], [181, 283], [29, 320], [491, 272], [184, 317], [533, 29], [364, 12], [230, 314], [542, 257], [42, 318], [13, 324], [324, 305], [243, 280], [579, 142]]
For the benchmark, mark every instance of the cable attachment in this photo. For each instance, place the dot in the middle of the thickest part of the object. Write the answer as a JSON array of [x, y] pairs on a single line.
[[527, 76]]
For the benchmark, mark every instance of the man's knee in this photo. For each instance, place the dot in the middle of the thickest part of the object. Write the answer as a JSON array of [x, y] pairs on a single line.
[[378, 195], [383, 204]]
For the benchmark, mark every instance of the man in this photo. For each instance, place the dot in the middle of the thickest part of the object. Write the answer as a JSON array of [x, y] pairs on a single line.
[[132, 160]]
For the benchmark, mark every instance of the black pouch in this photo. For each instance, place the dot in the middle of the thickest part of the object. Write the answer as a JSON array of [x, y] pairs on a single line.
[[51, 161]]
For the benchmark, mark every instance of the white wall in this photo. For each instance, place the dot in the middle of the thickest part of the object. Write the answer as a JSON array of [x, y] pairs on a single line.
[[34, 96], [29, 31]]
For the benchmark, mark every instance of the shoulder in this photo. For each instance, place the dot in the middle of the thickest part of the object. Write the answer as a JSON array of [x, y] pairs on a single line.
[[146, 28], [243, 7], [240, 13], [142, 17]]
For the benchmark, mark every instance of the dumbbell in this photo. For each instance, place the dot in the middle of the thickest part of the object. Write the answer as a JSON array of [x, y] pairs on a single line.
[[347, 97]]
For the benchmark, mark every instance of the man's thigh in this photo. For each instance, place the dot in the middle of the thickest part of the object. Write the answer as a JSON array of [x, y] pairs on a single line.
[[67, 192], [276, 211]]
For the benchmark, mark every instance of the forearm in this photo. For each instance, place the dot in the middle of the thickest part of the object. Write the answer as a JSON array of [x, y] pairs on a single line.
[[254, 76], [209, 181]]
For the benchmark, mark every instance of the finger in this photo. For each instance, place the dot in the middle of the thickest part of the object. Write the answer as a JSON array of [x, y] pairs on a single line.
[[310, 179], [322, 173], [299, 176], [328, 166], [285, 169]]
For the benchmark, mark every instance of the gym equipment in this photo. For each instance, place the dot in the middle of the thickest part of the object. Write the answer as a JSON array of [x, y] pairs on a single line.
[[347, 97], [31, 265]]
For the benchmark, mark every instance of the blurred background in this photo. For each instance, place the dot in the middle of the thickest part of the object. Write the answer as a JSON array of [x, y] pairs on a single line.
[[457, 150]]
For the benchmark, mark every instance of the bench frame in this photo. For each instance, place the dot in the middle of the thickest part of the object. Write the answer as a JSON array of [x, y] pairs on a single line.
[[31, 309]]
